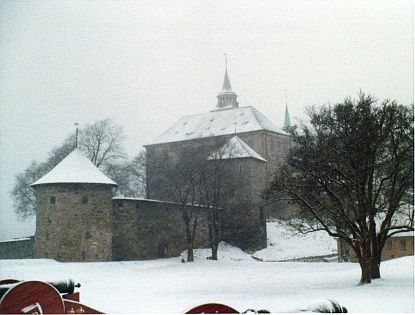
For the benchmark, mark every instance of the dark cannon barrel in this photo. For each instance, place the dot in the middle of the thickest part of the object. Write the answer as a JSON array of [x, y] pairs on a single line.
[[65, 287]]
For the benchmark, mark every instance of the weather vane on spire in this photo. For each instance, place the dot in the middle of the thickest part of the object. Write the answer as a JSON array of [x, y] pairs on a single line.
[[76, 135]]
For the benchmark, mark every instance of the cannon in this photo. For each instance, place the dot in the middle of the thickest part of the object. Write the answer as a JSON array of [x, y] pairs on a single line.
[[37, 297]]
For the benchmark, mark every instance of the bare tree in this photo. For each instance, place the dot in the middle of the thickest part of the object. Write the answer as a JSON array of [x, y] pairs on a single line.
[[193, 174], [351, 175], [129, 175], [217, 175], [102, 144], [178, 175]]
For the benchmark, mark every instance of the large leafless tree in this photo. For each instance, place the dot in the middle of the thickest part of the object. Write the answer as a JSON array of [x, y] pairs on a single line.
[[350, 173], [195, 174], [102, 143]]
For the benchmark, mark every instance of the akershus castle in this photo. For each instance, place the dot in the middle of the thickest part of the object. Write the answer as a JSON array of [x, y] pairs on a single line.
[[80, 219]]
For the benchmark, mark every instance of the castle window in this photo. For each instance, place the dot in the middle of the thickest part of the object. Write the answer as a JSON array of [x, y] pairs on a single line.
[[52, 200], [389, 244], [231, 192], [88, 235], [137, 205], [84, 200], [402, 244]]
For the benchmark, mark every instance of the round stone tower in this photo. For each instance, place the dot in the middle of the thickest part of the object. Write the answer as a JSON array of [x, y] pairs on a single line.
[[74, 209]]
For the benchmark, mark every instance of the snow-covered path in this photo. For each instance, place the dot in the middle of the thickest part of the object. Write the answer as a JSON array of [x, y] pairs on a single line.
[[170, 286]]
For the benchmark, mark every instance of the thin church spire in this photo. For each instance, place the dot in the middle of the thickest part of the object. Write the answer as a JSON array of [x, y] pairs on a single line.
[[287, 122]]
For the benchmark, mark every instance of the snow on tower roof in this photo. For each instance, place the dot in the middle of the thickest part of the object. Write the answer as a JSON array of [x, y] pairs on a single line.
[[75, 168], [217, 123], [235, 148]]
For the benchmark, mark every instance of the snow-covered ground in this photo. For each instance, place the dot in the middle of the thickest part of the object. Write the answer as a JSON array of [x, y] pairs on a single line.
[[169, 286]]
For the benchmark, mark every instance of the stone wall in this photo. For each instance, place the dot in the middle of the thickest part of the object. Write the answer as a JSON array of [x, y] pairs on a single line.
[[148, 229], [73, 222], [17, 248]]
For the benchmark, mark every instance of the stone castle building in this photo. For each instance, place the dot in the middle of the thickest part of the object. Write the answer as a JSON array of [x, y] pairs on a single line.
[[258, 146], [79, 219]]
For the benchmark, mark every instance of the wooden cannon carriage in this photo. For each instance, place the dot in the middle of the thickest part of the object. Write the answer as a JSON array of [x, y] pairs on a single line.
[[37, 297]]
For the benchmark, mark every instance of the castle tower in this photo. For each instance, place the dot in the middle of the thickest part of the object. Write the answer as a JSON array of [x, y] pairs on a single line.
[[74, 208], [226, 97]]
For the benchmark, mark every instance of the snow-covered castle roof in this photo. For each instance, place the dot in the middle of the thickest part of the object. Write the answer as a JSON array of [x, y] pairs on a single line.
[[75, 168], [235, 148], [217, 123]]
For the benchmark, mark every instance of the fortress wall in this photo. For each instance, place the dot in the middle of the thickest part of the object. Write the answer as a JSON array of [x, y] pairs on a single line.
[[148, 229], [17, 248]]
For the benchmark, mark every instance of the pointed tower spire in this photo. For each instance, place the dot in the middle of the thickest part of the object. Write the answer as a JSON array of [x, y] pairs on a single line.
[[287, 122], [226, 97], [226, 83]]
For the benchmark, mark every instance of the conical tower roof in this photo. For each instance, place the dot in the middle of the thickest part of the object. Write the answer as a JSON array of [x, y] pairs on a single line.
[[75, 168]]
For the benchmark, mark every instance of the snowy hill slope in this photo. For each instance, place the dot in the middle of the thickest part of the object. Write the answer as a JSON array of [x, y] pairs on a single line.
[[283, 243]]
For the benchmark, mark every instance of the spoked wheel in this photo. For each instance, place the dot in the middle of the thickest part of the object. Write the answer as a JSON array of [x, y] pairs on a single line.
[[32, 297]]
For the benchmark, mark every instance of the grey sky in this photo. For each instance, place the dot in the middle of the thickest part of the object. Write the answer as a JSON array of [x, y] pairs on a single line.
[[147, 63]]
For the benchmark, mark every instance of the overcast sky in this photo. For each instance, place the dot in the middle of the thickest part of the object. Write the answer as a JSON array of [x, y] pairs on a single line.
[[147, 63]]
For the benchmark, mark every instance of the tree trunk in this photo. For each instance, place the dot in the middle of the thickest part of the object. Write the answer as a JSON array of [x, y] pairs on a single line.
[[190, 257], [366, 271], [375, 268], [213, 234], [214, 252], [189, 239], [376, 249]]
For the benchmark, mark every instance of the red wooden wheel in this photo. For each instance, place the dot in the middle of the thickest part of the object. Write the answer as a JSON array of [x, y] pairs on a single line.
[[212, 308], [32, 296]]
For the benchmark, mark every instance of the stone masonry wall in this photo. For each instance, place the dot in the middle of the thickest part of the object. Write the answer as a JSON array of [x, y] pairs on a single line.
[[17, 249], [77, 226], [148, 229]]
